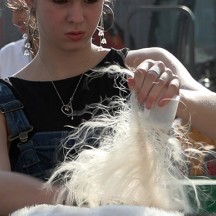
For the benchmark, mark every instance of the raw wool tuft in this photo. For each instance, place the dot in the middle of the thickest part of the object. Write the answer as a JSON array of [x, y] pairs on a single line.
[[137, 163], [49, 210], [140, 168]]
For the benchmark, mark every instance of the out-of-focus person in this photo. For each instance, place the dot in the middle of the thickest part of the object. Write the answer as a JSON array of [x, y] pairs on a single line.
[[16, 55]]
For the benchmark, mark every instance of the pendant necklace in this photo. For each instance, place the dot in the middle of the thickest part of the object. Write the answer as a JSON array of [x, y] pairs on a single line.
[[67, 109]]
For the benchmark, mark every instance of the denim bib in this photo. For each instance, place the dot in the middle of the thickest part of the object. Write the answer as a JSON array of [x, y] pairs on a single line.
[[37, 155]]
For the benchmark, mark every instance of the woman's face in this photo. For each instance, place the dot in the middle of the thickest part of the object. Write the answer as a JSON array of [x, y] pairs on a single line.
[[19, 14], [67, 24]]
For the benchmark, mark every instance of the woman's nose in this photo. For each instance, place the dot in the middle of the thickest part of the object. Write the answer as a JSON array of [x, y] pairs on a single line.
[[76, 12]]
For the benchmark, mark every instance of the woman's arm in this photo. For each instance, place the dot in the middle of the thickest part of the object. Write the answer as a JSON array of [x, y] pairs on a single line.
[[197, 101], [199, 107], [17, 190], [135, 57], [4, 158]]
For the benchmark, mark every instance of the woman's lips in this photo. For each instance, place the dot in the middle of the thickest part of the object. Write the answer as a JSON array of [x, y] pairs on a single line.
[[75, 36]]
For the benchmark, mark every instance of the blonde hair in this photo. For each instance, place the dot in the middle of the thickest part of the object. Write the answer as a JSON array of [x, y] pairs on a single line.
[[32, 32], [17, 5]]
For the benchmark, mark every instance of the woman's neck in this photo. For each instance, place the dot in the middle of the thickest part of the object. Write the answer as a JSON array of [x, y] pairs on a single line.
[[57, 65]]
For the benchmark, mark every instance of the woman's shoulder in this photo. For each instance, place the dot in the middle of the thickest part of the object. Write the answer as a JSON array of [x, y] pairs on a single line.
[[7, 89], [5, 83], [115, 56], [119, 52]]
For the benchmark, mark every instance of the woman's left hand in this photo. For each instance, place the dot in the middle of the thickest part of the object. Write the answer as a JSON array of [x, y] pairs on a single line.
[[154, 83]]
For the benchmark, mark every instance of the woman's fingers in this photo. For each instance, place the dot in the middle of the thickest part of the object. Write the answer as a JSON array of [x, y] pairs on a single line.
[[158, 88], [154, 83], [171, 91], [147, 92]]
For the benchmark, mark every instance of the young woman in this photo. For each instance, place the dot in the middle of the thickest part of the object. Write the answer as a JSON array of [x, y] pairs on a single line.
[[59, 86]]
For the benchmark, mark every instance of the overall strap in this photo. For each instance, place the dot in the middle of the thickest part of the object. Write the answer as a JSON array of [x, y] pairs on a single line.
[[17, 123]]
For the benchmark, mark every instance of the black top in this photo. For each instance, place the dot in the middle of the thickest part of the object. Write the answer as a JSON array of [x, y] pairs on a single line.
[[42, 105]]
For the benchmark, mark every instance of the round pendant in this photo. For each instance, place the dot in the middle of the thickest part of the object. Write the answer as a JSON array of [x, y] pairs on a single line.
[[67, 110]]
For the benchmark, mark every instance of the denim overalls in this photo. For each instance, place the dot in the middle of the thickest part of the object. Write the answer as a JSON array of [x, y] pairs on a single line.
[[37, 155]]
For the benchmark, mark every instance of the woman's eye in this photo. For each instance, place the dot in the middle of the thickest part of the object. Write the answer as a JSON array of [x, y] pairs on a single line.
[[60, 1], [90, 1], [65, 1]]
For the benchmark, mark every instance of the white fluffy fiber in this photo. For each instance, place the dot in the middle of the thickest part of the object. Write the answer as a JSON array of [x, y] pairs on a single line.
[[57, 210], [136, 164]]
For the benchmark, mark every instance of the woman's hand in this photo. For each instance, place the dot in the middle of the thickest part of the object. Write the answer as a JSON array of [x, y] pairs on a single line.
[[154, 83]]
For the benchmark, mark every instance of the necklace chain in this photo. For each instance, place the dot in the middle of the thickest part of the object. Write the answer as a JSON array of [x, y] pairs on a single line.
[[67, 109]]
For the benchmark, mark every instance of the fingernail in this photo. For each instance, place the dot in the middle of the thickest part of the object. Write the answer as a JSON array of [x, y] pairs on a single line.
[[148, 106], [162, 103], [130, 83]]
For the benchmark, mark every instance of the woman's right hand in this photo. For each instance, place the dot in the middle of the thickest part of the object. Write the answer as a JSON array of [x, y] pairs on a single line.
[[154, 83]]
